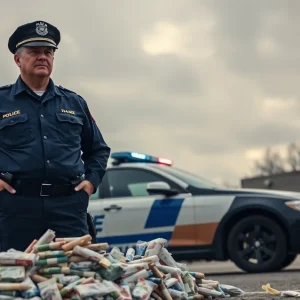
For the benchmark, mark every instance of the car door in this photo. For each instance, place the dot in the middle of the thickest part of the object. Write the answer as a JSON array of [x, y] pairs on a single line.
[[131, 214]]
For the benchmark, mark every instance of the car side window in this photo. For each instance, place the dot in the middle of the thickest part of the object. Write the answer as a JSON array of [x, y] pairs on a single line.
[[131, 182]]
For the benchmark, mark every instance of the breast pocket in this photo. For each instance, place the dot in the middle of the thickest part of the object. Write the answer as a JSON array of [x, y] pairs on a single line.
[[69, 128], [15, 131]]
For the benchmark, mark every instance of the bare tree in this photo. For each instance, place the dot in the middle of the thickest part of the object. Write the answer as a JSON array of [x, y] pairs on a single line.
[[272, 163], [293, 156]]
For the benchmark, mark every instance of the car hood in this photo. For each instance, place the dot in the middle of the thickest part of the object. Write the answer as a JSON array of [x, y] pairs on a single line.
[[287, 194]]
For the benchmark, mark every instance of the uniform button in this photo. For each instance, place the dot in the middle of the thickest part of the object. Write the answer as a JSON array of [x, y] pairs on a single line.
[[48, 161], [45, 137], [42, 116]]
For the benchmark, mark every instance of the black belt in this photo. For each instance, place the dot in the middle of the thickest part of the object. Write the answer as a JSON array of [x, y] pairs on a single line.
[[35, 188]]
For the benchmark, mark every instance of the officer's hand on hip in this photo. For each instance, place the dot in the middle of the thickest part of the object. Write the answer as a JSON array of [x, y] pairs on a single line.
[[86, 185], [6, 186]]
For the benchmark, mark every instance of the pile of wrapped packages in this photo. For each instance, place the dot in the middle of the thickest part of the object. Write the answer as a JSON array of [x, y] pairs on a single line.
[[74, 268]]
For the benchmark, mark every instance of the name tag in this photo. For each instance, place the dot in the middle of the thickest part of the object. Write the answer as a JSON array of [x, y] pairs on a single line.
[[71, 112], [17, 112]]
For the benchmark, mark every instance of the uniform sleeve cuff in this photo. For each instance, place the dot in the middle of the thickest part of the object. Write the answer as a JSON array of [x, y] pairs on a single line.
[[94, 179]]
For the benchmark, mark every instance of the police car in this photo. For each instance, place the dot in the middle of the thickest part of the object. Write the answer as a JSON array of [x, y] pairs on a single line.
[[143, 197]]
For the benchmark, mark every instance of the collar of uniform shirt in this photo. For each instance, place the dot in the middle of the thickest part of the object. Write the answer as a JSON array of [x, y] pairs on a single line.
[[20, 86]]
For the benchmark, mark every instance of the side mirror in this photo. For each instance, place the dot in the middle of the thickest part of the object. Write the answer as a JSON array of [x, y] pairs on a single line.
[[160, 187]]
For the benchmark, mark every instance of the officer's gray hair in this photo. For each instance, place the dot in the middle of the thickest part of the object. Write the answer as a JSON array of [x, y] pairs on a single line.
[[19, 51]]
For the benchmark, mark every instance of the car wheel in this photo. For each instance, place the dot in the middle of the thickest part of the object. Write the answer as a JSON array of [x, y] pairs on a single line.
[[289, 260], [257, 244]]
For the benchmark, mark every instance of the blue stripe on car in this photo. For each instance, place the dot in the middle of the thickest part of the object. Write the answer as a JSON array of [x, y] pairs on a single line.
[[163, 213]]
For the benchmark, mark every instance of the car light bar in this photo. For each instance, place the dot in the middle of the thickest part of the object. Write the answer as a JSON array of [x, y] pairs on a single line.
[[127, 156]]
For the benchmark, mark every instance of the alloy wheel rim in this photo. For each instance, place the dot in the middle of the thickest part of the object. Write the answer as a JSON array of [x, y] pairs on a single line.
[[256, 244]]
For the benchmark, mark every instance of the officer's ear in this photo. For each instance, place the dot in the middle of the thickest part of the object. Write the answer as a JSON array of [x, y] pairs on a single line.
[[17, 60], [17, 56]]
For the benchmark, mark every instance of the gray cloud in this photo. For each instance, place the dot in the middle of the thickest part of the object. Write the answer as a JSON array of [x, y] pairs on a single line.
[[273, 24], [266, 134]]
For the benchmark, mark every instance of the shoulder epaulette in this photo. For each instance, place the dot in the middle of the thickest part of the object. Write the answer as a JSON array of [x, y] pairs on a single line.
[[66, 90], [4, 87]]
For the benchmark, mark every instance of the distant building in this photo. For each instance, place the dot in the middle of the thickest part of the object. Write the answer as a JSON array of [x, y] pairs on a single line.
[[288, 181]]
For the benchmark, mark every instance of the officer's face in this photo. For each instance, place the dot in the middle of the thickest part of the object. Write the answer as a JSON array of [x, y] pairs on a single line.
[[36, 61]]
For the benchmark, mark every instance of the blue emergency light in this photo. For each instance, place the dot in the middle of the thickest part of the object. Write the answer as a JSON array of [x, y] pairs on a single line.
[[128, 157]]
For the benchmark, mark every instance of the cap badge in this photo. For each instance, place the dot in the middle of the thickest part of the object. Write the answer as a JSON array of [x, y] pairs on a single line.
[[41, 28]]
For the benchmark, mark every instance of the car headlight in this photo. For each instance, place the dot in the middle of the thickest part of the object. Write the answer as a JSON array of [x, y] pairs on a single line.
[[293, 204]]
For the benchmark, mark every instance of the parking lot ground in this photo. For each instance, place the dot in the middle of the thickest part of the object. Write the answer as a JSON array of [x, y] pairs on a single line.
[[228, 273]]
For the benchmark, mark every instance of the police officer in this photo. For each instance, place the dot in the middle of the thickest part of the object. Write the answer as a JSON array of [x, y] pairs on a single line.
[[52, 154]]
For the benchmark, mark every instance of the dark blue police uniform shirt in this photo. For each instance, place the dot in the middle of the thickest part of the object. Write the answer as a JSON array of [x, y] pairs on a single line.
[[52, 137]]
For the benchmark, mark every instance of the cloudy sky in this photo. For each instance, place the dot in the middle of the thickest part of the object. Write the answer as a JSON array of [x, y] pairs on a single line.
[[209, 84]]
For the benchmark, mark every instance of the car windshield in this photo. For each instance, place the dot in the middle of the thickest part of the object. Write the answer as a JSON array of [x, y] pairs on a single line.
[[188, 178]]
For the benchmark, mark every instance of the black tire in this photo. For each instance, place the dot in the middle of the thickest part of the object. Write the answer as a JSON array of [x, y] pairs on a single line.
[[257, 237], [289, 260]]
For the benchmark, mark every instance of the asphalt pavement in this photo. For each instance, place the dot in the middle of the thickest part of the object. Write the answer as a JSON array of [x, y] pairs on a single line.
[[228, 273]]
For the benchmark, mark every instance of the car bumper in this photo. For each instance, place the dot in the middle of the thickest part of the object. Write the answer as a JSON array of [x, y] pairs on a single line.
[[294, 234]]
